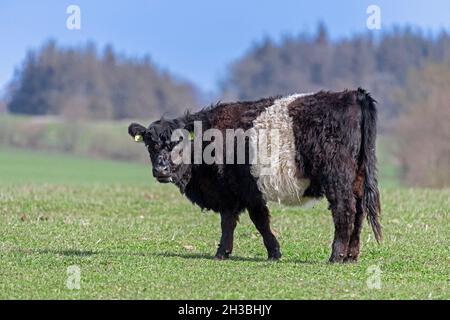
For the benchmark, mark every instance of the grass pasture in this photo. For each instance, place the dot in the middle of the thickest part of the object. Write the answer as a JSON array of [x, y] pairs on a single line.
[[132, 238]]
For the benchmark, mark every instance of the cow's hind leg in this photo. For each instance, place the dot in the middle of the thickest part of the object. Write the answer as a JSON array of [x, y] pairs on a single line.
[[343, 209], [358, 191], [339, 193], [228, 222], [261, 218], [353, 247]]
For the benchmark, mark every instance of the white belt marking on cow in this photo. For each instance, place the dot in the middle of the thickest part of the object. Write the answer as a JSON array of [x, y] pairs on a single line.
[[281, 185]]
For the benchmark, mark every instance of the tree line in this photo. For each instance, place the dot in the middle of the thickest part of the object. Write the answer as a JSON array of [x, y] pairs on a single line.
[[81, 83]]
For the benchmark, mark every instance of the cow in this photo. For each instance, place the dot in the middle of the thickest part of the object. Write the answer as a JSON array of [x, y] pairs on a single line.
[[326, 148]]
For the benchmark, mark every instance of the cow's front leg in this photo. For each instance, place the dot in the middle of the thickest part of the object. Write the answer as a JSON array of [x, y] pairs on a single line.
[[261, 219], [228, 224]]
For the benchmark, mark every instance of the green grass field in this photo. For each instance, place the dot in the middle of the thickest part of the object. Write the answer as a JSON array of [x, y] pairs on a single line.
[[133, 238]]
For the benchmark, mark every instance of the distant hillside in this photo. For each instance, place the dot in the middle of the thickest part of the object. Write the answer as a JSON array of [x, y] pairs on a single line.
[[80, 83], [95, 139]]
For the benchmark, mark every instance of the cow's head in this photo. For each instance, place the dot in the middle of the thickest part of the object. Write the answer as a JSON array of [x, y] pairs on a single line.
[[157, 139]]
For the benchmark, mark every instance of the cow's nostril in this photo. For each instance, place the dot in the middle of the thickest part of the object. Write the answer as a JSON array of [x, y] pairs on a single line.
[[161, 171]]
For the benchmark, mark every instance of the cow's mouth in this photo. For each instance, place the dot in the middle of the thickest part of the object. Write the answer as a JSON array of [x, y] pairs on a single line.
[[164, 179]]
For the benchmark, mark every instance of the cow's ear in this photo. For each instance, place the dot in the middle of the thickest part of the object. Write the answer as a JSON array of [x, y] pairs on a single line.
[[137, 131]]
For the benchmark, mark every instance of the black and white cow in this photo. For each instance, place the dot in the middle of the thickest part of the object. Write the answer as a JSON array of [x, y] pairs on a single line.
[[326, 147]]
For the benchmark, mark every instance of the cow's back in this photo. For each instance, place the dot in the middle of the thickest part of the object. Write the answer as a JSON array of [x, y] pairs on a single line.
[[295, 128]]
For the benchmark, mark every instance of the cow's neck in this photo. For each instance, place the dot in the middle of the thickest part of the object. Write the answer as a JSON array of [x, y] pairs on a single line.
[[182, 177]]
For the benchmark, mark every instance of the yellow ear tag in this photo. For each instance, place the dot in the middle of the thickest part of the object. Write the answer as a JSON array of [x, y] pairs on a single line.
[[138, 138], [191, 136]]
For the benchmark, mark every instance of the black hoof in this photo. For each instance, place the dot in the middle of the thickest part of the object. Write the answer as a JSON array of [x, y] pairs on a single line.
[[222, 256], [336, 258], [275, 256], [350, 259]]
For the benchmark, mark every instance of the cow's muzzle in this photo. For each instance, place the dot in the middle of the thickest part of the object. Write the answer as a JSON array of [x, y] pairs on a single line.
[[162, 174]]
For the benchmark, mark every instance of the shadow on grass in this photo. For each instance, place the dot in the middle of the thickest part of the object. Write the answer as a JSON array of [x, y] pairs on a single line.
[[68, 253], [205, 256], [232, 258], [195, 256]]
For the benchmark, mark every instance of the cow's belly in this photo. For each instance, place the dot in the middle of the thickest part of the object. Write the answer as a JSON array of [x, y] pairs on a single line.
[[276, 171], [284, 191]]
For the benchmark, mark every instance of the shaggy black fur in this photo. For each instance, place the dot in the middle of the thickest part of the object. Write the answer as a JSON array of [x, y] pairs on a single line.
[[335, 142], [335, 137]]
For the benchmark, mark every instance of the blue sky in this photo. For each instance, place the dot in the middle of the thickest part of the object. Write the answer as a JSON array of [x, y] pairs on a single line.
[[195, 39]]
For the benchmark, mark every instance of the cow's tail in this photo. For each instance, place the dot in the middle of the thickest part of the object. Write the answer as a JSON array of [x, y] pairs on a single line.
[[371, 197]]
